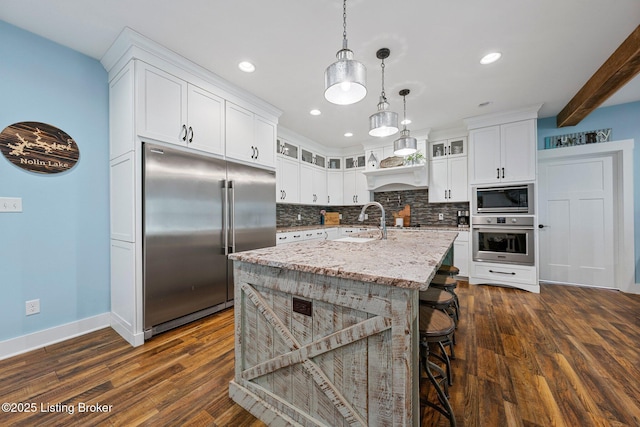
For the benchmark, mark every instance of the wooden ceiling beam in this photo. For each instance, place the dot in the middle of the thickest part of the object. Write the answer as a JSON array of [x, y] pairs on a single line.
[[620, 68]]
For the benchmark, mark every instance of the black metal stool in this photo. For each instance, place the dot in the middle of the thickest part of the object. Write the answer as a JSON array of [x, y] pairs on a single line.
[[436, 327]]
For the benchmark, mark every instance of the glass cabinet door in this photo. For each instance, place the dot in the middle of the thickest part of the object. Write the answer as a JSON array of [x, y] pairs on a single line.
[[319, 161], [457, 147], [438, 149], [349, 163], [306, 156], [360, 161], [335, 163], [287, 149]]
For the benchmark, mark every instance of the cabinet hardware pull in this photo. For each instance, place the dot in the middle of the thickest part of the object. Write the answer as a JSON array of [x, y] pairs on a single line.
[[285, 194], [502, 272], [498, 170], [184, 129], [257, 153], [300, 235], [191, 131], [282, 238], [449, 193], [502, 173], [445, 194]]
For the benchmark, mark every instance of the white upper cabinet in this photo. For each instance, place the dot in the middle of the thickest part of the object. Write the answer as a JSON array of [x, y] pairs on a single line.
[[250, 138], [205, 130], [448, 171], [313, 185], [503, 153], [174, 111], [448, 148], [287, 180], [334, 188], [355, 190]]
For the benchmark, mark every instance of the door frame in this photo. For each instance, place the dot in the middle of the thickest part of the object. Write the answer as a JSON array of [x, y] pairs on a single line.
[[621, 153]]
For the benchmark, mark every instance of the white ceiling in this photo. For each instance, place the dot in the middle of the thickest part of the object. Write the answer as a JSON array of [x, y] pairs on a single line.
[[550, 49]]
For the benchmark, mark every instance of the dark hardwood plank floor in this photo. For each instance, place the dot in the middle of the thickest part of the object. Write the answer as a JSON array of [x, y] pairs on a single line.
[[568, 356]]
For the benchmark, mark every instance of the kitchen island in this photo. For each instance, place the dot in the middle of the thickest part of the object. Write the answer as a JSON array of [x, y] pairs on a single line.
[[327, 331]]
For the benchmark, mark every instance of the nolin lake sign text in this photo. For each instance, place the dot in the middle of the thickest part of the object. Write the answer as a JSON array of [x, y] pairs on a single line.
[[39, 147]]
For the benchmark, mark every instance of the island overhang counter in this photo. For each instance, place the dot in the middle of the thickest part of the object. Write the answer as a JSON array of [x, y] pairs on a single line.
[[326, 332]]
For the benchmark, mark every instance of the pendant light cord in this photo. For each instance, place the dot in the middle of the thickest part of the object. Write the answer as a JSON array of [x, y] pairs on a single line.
[[404, 115], [384, 96], [344, 24]]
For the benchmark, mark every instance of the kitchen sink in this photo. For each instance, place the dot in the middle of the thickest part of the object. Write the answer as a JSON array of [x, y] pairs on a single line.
[[356, 239]]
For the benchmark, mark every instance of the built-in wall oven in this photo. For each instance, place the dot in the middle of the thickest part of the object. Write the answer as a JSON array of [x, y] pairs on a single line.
[[504, 239], [506, 200]]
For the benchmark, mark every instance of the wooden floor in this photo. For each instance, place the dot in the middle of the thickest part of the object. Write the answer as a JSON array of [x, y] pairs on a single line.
[[567, 356]]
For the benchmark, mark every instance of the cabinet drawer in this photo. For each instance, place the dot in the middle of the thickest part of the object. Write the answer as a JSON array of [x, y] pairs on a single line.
[[505, 272]]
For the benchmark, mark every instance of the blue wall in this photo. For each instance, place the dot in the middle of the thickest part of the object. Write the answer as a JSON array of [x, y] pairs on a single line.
[[57, 249], [624, 121]]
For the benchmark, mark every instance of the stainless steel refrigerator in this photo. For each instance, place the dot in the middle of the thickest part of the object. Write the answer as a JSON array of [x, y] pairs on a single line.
[[196, 210]]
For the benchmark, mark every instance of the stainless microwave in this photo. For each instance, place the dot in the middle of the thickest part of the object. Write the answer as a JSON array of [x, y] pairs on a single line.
[[515, 199]]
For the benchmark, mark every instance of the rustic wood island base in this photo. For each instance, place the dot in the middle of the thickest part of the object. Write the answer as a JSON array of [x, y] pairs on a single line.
[[327, 331]]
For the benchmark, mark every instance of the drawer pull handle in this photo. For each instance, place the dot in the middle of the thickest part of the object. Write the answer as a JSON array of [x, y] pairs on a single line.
[[502, 272]]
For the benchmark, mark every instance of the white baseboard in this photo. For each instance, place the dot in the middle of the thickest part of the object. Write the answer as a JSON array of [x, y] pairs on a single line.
[[124, 330], [35, 340]]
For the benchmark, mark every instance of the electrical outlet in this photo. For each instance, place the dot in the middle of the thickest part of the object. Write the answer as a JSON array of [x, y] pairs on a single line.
[[440, 216], [32, 307], [340, 216], [10, 204], [299, 217], [366, 216]]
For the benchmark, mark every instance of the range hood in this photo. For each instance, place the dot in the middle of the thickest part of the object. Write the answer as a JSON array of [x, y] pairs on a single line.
[[398, 178]]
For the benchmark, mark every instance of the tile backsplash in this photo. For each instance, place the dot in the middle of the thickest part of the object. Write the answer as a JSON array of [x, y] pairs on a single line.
[[422, 212]]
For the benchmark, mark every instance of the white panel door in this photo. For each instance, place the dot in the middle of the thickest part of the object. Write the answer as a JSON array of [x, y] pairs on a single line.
[[577, 214]]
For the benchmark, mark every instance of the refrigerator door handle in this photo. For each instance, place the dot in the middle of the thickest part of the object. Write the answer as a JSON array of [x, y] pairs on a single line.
[[225, 219], [232, 216]]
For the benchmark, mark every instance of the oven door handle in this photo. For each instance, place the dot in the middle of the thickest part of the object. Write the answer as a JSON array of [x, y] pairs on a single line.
[[505, 228]]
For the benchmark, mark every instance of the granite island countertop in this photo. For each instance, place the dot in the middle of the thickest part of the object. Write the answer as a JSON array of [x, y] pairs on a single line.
[[359, 225], [409, 258]]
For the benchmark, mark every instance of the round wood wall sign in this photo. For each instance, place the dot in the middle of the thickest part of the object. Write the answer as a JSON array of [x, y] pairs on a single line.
[[39, 147]]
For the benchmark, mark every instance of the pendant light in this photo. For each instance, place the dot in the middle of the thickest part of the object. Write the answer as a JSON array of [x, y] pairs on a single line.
[[406, 144], [384, 122], [345, 80]]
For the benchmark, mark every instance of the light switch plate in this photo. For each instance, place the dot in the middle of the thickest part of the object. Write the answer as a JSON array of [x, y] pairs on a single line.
[[10, 204]]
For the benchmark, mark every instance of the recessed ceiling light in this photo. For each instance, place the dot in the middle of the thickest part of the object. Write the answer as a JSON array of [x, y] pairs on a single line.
[[490, 57], [405, 122], [315, 112], [348, 134], [247, 67], [484, 104]]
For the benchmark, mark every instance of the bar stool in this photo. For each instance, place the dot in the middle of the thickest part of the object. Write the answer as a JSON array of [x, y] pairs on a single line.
[[445, 302], [449, 284], [440, 299], [450, 270], [436, 327]]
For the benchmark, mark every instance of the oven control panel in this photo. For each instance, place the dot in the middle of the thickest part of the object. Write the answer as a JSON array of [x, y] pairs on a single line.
[[520, 221]]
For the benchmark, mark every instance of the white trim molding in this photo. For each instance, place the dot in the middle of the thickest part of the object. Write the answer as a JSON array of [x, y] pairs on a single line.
[[18, 345], [622, 154]]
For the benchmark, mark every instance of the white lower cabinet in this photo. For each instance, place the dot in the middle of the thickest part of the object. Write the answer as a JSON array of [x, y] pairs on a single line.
[[306, 235], [461, 253]]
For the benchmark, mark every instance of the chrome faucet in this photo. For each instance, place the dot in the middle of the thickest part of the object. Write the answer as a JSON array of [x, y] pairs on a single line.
[[383, 222]]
